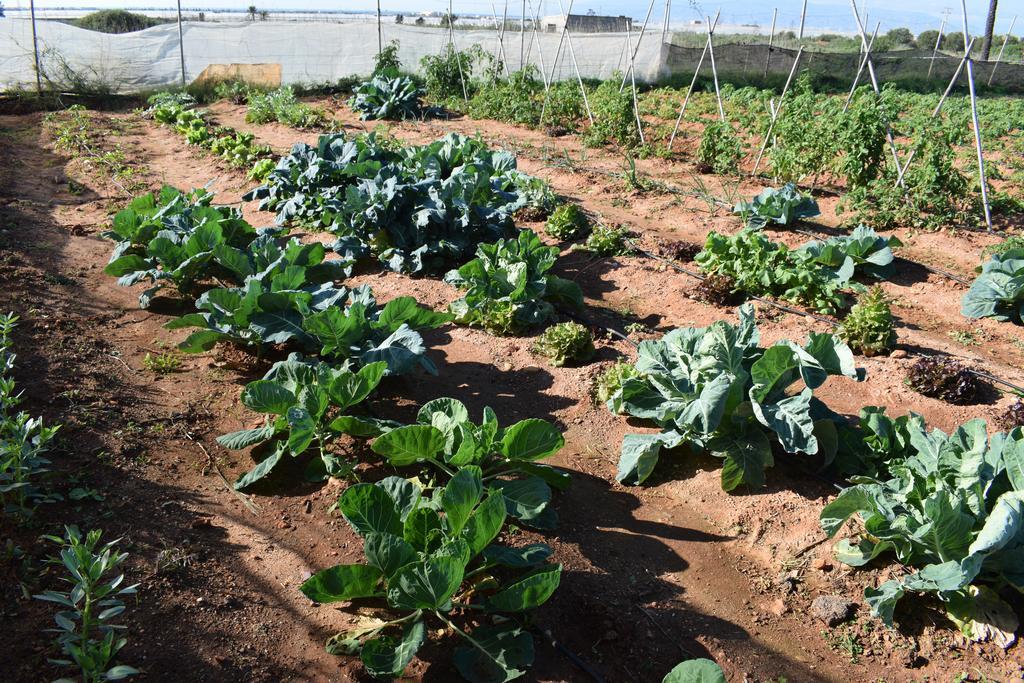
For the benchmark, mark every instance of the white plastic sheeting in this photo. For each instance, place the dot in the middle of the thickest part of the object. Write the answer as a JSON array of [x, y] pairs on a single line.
[[308, 53]]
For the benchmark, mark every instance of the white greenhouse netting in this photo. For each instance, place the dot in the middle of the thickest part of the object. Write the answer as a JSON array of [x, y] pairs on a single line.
[[307, 53]]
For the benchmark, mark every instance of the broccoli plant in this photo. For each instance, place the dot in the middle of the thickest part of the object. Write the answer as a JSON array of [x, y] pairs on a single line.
[[446, 439], [431, 556], [715, 389], [387, 96], [306, 403], [509, 288], [777, 205]]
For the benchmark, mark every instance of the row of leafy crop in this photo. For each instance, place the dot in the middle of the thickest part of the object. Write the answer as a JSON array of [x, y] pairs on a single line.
[[237, 149], [428, 536], [86, 632], [949, 507]]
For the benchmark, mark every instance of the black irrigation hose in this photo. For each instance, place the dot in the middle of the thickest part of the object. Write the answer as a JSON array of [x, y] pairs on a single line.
[[571, 656]]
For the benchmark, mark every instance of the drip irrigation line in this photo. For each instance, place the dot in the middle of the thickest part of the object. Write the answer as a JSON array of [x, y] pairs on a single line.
[[610, 330], [570, 655]]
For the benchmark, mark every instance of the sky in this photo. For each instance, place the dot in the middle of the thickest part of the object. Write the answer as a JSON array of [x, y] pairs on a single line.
[[837, 14]]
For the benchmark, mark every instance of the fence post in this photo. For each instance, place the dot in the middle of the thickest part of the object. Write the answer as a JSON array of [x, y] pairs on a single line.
[[181, 46], [771, 39], [380, 31], [522, 37], [35, 49]]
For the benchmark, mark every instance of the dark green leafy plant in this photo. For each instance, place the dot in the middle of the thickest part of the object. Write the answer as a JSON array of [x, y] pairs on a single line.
[[23, 439], [417, 209], [869, 328], [444, 437], [777, 205], [944, 378], [509, 288], [614, 117], [998, 292], [387, 97], [434, 557], [565, 344], [715, 389], [169, 239], [953, 509], [307, 404], [85, 629]]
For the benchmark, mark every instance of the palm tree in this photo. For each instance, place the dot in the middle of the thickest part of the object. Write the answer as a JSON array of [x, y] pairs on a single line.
[[990, 25], [252, 12]]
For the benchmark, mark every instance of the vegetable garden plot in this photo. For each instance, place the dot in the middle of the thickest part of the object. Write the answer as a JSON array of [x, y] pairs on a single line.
[[336, 463]]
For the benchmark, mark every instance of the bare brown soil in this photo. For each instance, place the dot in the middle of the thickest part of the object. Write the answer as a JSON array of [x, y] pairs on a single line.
[[653, 575]]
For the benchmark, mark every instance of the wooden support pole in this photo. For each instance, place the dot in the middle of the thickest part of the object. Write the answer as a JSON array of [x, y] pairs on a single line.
[[35, 48], [380, 29], [860, 69], [714, 70], [935, 50], [635, 50]]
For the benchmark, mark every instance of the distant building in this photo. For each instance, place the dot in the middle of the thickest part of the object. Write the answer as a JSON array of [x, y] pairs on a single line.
[[586, 23]]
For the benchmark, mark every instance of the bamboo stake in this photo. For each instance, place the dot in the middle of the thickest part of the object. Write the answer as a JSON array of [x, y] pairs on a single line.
[[636, 104], [181, 45], [935, 50], [455, 51], [935, 112], [977, 124], [650, 8], [771, 39], [776, 111], [500, 52], [693, 82], [999, 56], [860, 70], [714, 70], [380, 31], [35, 48]]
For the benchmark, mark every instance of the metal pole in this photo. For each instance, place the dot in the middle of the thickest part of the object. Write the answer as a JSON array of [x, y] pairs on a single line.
[[639, 38], [554, 65], [380, 31], [35, 48], [803, 16], [181, 46], [455, 51], [1003, 47], [693, 82], [664, 23], [776, 111], [500, 52], [522, 37], [860, 70], [977, 125], [771, 39], [935, 112], [714, 71], [935, 50], [540, 48]]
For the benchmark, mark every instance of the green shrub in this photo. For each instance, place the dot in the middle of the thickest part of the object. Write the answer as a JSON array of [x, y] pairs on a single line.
[[869, 327], [283, 106], [720, 150], [444, 80], [565, 343], [614, 118], [513, 100], [116, 21]]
